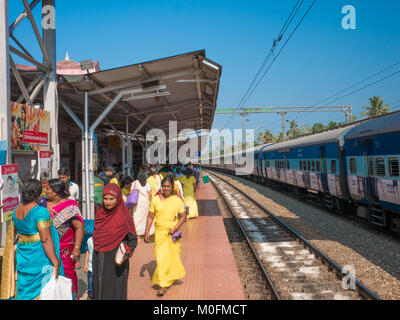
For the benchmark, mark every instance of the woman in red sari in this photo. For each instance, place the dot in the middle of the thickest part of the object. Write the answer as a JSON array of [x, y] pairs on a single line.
[[70, 227]]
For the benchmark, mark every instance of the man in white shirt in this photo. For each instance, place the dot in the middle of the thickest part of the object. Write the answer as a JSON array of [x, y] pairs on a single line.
[[73, 188]]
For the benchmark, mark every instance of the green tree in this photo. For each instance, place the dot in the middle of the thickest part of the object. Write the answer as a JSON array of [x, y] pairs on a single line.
[[294, 130], [317, 127], [266, 137], [375, 108]]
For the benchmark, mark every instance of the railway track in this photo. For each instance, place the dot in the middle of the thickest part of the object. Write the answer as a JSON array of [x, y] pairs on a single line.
[[292, 267]]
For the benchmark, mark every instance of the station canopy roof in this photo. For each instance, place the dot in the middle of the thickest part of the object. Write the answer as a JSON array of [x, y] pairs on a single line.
[[183, 88]]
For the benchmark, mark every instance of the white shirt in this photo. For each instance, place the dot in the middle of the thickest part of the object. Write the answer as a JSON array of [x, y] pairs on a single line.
[[74, 191]]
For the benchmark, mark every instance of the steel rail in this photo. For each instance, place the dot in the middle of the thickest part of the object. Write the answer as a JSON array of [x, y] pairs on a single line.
[[362, 289], [274, 291]]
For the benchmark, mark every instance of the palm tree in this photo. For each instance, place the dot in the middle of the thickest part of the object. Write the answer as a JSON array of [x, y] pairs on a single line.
[[266, 137], [376, 107], [294, 130]]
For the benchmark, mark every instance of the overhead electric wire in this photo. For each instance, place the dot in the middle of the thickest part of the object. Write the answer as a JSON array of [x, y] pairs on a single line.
[[276, 41], [295, 29], [352, 86]]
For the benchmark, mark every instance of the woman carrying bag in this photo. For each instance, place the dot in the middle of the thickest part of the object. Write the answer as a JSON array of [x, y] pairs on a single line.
[[114, 240]]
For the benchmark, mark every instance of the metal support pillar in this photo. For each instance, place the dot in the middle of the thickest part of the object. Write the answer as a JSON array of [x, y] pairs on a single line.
[[5, 121], [50, 91], [86, 150], [283, 114]]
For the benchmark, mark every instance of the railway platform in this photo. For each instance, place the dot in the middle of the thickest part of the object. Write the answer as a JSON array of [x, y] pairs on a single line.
[[211, 272]]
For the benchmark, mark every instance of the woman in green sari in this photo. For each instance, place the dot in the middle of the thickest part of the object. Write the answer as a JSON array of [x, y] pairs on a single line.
[[38, 247]]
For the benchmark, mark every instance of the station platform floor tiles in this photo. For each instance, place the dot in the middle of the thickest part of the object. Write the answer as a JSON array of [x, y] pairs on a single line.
[[211, 272]]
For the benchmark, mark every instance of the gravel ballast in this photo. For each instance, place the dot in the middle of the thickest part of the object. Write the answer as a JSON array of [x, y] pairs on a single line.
[[374, 255]]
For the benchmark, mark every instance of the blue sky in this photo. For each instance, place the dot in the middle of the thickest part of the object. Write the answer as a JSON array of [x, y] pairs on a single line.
[[321, 59]]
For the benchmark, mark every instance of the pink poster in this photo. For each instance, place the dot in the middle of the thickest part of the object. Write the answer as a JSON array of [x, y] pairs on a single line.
[[9, 191]]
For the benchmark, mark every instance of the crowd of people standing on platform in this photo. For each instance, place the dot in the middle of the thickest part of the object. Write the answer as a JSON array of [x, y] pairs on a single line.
[[51, 230]]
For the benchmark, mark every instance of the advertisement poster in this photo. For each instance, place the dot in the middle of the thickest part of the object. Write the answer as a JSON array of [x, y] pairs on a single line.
[[30, 127], [44, 166], [9, 191]]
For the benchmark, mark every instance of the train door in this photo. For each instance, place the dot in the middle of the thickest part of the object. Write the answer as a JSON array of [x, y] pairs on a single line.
[[369, 168], [324, 169]]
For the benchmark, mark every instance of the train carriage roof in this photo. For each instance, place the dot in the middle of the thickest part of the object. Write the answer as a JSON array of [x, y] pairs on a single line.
[[329, 136], [380, 125]]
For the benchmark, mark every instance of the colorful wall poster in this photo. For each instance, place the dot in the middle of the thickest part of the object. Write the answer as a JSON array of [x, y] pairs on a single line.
[[9, 191], [30, 127], [44, 167]]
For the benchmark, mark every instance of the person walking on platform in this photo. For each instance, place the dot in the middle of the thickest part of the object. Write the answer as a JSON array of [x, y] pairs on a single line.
[[38, 248], [154, 180], [114, 239], [164, 208], [189, 189], [70, 227], [107, 174], [73, 189], [141, 209]]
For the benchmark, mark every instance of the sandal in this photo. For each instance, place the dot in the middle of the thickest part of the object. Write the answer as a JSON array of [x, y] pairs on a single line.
[[161, 292]]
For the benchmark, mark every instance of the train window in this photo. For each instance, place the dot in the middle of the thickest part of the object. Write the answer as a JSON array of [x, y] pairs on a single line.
[[313, 165], [393, 167], [380, 167], [301, 165], [287, 164], [308, 165], [353, 166], [318, 166], [371, 167], [333, 166]]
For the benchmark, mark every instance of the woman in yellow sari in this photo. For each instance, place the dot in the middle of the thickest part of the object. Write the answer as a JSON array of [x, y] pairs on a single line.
[[164, 208], [189, 185], [154, 180]]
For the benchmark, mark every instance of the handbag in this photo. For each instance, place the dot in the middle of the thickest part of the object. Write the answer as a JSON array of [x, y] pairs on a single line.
[[57, 289], [132, 198], [177, 235], [120, 254]]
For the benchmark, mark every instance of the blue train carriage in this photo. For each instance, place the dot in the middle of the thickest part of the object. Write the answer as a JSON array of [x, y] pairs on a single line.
[[373, 154], [313, 163], [259, 163]]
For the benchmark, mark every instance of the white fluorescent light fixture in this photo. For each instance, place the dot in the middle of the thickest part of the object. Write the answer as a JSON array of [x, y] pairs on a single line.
[[146, 96], [196, 80], [210, 64]]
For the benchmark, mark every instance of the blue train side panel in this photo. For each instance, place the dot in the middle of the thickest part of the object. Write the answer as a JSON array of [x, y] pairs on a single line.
[[373, 155]]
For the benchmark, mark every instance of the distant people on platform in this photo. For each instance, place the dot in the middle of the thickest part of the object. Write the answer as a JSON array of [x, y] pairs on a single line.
[[117, 179], [189, 186], [125, 186], [154, 180], [141, 209], [65, 175], [114, 237], [70, 227], [164, 208], [87, 268], [38, 248], [107, 174], [197, 175]]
